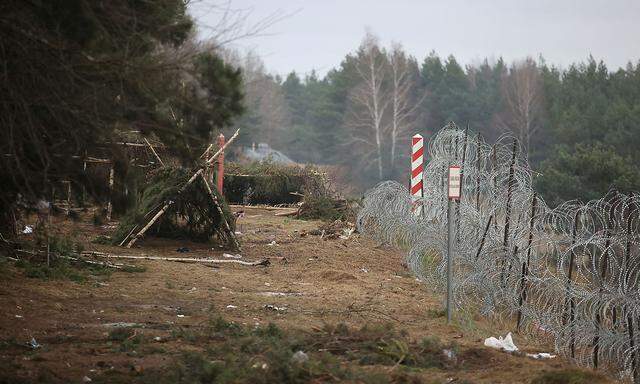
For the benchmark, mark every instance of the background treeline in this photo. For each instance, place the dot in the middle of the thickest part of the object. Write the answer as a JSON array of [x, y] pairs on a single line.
[[580, 125], [77, 75]]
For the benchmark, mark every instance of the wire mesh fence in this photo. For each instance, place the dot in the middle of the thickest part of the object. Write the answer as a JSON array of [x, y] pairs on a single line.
[[570, 273]]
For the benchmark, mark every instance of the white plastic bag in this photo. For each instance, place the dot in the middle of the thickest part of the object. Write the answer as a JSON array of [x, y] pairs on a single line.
[[505, 344]]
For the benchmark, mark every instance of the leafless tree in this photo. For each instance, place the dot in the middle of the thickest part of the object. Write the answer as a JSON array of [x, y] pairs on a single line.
[[263, 96], [404, 102], [522, 92], [369, 101]]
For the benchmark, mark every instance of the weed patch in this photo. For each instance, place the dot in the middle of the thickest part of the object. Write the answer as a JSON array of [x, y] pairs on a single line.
[[61, 270], [334, 353]]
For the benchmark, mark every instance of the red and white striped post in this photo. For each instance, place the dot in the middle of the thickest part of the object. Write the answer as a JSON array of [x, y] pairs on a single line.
[[221, 164], [417, 169]]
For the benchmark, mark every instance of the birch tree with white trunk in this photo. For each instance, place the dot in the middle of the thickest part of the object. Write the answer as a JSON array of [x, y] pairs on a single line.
[[523, 92], [404, 73], [369, 102]]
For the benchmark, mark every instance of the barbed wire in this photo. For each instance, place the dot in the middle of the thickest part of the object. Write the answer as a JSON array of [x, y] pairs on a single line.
[[571, 273]]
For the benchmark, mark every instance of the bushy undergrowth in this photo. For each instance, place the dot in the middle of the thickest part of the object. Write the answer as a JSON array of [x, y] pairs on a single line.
[[327, 208], [269, 183]]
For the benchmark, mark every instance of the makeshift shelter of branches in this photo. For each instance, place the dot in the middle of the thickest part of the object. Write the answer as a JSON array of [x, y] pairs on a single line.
[[178, 202]]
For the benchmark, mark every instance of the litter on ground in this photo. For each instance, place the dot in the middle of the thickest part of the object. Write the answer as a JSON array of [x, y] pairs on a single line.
[[274, 308], [541, 355], [34, 344], [505, 344], [300, 357]]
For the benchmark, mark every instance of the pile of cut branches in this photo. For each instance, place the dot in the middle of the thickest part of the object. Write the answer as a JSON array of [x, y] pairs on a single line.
[[268, 183]]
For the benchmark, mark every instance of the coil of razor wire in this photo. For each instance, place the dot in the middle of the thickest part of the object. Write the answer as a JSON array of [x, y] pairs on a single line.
[[570, 273]]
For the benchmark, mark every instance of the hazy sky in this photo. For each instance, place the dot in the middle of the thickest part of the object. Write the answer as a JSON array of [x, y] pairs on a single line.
[[319, 33]]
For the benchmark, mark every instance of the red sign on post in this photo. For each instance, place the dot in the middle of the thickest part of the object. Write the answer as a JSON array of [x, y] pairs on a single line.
[[454, 183]]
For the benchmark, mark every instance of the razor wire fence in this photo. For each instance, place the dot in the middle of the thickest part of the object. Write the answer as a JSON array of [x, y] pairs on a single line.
[[571, 273]]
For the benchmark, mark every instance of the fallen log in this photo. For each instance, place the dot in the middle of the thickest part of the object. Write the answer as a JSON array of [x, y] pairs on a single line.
[[178, 259], [288, 213], [100, 263], [262, 206]]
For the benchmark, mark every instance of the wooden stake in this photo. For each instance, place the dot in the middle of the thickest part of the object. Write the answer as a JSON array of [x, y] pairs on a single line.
[[635, 364], [227, 227], [109, 204], [569, 302], [68, 197], [525, 265], [484, 237], [478, 174], [507, 219], [215, 155], [603, 275], [154, 151]]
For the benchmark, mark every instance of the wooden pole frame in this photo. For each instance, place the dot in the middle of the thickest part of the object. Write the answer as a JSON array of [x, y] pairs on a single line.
[[165, 207]]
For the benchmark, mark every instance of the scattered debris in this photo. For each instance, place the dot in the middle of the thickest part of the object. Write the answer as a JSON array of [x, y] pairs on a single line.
[[273, 243], [122, 325], [33, 344], [449, 354], [27, 229], [300, 357], [18, 316], [86, 379], [180, 316], [337, 229], [157, 338], [230, 256], [505, 344], [274, 308], [541, 355], [258, 365], [346, 233], [280, 294], [231, 306]]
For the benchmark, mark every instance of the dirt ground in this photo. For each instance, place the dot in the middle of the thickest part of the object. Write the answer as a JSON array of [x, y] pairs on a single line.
[[309, 283]]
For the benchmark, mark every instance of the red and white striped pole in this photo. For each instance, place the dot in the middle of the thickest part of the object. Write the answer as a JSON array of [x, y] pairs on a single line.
[[417, 169]]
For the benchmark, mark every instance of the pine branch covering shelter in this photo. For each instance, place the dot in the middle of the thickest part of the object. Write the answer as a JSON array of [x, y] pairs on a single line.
[[178, 202]]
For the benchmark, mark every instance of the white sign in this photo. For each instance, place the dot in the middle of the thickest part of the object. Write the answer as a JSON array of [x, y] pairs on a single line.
[[454, 182]]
